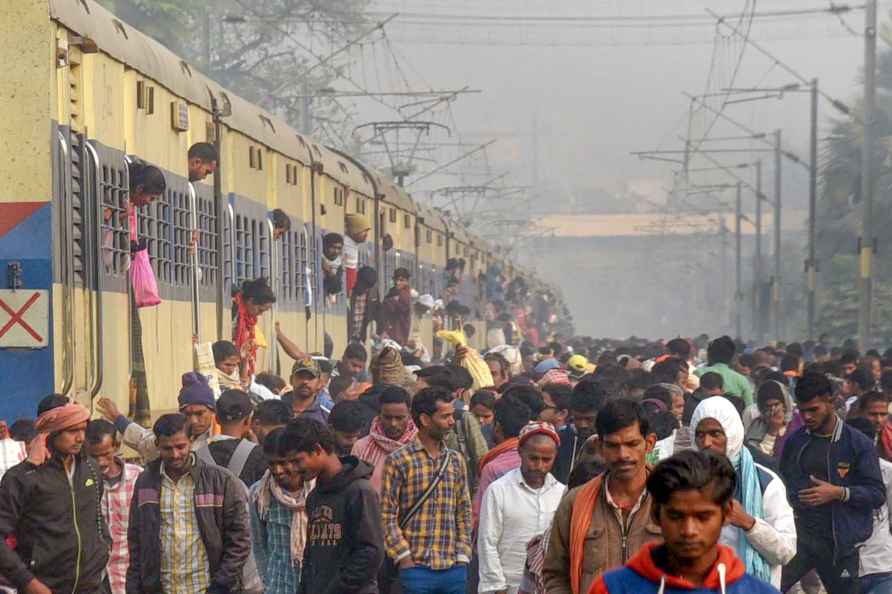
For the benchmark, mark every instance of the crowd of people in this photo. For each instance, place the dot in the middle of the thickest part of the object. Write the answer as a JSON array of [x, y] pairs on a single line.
[[583, 467], [541, 463]]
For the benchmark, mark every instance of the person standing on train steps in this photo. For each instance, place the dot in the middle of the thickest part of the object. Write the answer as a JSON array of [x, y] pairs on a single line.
[[202, 161], [251, 301], [357, 232], [396, 309], [52, 507], [364, 304], [189, 530], [119, 478], [306, 384], [196, 402]]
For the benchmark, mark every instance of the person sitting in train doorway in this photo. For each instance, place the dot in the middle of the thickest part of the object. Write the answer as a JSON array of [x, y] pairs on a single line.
[[332, 265], [396, 309], [281, 223], [253, 299], [202, 161], [357, 232]]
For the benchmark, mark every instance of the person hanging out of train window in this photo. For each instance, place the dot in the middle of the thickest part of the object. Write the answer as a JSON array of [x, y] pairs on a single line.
[[332, 265], [253, 299], [281, 223], [147, 184], [396, 309], [364, 304], [358, 229], [202, 161]]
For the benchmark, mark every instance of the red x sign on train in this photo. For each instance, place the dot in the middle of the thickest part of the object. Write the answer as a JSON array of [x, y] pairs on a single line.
[[24, 319]]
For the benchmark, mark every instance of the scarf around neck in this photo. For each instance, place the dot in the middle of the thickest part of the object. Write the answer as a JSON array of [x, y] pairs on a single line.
[[245, 332], [379, 441], [296, 503]]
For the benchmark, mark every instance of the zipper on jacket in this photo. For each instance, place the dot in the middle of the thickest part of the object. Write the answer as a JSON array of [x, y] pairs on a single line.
[[77, 530], [830, 480]]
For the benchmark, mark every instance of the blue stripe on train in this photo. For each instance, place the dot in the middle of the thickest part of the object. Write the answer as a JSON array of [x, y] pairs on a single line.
[[26, 375]]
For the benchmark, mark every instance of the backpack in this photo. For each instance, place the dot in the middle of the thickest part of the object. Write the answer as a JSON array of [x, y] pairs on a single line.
[[251, 581]]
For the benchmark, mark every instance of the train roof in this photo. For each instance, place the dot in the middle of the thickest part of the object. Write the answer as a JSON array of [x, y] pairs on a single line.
[[150, 58]]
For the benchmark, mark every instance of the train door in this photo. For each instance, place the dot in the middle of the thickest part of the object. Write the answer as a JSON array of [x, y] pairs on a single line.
[[80, 231]]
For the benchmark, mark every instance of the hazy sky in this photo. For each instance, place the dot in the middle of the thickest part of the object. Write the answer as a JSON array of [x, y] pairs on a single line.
[[619, 89]]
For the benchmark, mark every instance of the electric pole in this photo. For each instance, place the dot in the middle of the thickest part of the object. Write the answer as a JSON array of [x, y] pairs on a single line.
[[865, 291], [776, 285], [811, 264], [738, 264], [757, 257]]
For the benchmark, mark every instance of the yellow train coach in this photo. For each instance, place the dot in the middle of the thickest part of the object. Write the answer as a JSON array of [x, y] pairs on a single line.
[[84, 94]]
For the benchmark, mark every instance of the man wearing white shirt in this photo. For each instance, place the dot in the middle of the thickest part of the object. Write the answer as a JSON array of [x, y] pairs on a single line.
[[516, 508]]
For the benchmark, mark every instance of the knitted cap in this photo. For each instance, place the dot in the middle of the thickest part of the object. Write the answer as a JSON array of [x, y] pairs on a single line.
[[196, 390]]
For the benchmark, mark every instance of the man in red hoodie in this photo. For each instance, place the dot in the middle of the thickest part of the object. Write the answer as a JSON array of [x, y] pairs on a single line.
[[692, 494]]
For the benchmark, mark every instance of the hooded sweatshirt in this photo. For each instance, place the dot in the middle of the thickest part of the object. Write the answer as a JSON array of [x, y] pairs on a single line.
[[345, 543], [642, 576], [771, 542]]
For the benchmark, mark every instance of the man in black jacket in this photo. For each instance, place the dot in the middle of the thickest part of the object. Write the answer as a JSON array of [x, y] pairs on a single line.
[[53, 510], [345, 540], [189, 528]]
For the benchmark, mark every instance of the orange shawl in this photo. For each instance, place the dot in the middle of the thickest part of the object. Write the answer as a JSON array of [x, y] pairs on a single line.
[[245, 334], [509, 444], [580, 521]]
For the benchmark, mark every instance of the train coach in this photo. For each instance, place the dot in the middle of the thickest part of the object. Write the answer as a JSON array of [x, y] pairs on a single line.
[[84, 93]]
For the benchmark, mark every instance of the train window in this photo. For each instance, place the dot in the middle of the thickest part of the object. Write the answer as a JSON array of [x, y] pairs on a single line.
[[150, 100], [244, 250], [115, 224], [259, 158], [439, 240], [140, 94], [182, 235], [252, 158], [338, 197], [207, 241], [360, 205], [430, 236], [286, 267], [393, 215], [154, 227], [407, 221], [260, 234]]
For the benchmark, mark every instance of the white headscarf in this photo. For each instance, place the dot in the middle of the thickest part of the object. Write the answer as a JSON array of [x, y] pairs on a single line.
[[721, 409]]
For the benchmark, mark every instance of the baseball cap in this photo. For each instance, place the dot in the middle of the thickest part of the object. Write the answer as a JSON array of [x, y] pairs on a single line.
[[308, 365]]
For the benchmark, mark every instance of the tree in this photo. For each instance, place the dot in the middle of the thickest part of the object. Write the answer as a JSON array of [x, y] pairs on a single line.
[[839, 212]]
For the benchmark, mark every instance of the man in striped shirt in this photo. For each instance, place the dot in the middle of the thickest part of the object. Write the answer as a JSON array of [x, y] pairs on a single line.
[[119, 478], [430, 543]]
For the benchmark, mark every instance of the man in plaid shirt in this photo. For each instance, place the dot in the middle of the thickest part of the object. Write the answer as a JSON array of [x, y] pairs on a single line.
[[119, 478], [431, 548]]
